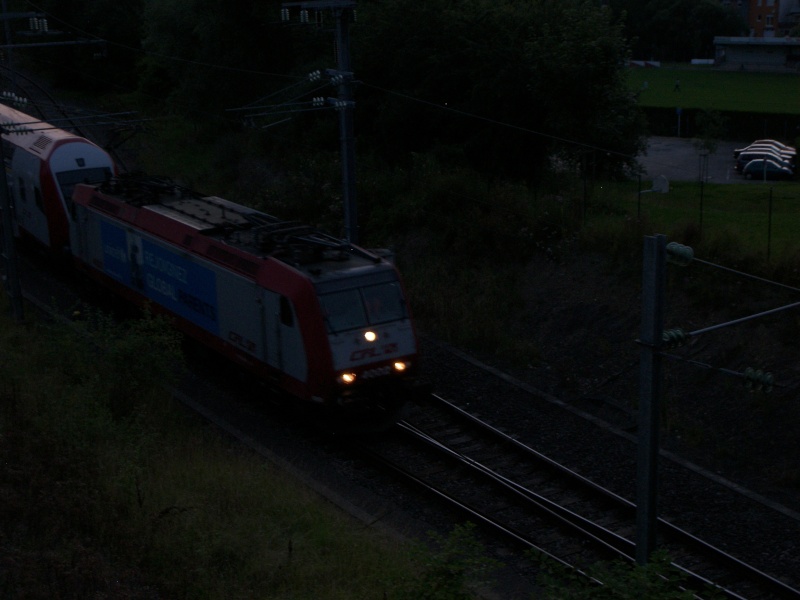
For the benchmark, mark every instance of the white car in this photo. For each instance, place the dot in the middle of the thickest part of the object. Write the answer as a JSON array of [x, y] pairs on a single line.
[[786, 153], [782, 147], [766, 149]]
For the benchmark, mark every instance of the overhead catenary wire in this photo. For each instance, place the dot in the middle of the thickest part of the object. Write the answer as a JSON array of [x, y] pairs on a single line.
[[501, 123], [755, 379], [722, 370], [295, 101], [743, 319], [748, 275]]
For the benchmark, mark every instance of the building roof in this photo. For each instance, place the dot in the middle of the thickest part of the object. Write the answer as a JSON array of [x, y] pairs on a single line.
[[756, 41]]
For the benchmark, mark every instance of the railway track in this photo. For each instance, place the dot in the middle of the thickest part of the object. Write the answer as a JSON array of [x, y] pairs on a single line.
[[532, 502]]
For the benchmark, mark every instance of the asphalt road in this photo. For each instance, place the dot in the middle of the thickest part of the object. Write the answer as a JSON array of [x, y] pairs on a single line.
[[677, 159]]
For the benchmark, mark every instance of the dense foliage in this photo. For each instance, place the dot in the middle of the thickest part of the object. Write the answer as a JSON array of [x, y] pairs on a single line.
[[498, 86], [502, 85], [112, 490], [677, 30]]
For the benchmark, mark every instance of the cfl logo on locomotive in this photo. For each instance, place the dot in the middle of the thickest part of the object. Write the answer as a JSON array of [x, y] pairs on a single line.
[[373, 352]]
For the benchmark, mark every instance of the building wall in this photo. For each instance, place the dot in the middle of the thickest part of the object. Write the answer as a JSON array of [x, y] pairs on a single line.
[[760, 54], [767, 18], [763, 17]]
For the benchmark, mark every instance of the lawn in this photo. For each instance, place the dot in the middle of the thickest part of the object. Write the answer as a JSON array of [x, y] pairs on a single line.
[[710, 89], [764, 218]]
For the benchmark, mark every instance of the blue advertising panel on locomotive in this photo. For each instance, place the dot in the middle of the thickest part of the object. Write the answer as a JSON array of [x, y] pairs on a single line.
[[185, 288]]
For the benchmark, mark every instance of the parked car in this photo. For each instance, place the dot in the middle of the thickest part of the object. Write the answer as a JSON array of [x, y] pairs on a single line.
[[788, 152], [779, 154], [748, 155], [764, 168], [775, 143]]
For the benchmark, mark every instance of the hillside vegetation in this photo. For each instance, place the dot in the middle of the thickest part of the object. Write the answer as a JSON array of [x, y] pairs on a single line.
[[110, 489]]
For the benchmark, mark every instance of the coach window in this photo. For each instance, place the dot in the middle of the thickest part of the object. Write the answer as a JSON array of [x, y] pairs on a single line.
[[22, 189], [37, 196], [286, 312]]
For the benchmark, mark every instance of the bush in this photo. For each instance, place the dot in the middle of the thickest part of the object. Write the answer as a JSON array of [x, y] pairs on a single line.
[[110, 490], [657, 580]]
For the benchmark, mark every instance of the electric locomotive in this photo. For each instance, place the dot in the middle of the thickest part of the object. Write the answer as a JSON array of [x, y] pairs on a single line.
[[314, 315], [43, 163]]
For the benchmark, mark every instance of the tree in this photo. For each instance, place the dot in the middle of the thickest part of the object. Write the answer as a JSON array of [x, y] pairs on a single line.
[[112, 30], [204, 55], [501, 84], [678, 30]]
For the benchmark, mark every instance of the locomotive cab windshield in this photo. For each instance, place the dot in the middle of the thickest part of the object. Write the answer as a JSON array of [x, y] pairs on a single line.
[[357, 307]]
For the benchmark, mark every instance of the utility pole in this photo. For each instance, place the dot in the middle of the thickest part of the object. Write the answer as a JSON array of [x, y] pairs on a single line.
[[650, 338], [346, 126], [344, 13]]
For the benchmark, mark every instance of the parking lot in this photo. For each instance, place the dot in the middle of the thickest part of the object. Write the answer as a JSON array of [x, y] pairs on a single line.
[[678, 160]]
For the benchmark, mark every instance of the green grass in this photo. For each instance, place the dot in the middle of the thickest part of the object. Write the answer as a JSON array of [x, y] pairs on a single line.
[[710, 89], [762, 216], [111, 489], [759, 221]]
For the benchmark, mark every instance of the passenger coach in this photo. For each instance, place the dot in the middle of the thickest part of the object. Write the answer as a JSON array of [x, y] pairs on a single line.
[[43, 164]]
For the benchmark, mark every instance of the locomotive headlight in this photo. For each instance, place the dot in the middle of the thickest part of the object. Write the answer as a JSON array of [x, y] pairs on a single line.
[[347, 378], [370, 336], [400, 366]]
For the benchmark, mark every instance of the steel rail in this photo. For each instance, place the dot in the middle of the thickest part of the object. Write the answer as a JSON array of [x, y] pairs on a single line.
[[624, 547]]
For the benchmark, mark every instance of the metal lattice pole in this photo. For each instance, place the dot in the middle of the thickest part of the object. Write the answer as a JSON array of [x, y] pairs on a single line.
[[650, 338]]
